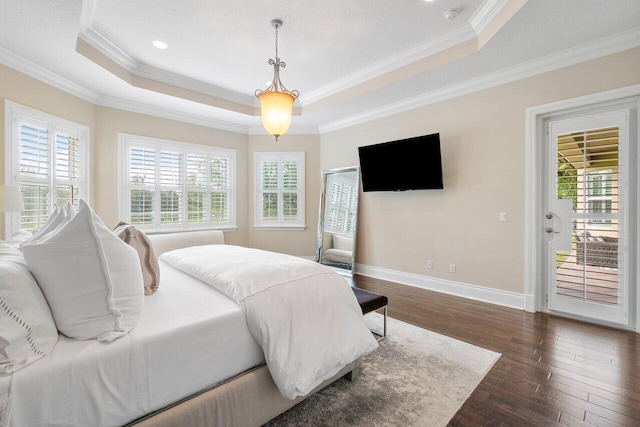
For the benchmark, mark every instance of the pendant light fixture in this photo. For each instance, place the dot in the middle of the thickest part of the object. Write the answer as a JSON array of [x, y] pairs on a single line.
[[276, 101]]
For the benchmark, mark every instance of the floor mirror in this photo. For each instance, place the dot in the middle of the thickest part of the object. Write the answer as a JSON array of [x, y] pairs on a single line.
[[338, 219]]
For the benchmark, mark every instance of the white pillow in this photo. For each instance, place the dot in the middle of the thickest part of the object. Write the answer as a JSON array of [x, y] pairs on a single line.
[[27, 330], [55, 219], [69, 212], [18, 238], [91, 279], [9, 252]]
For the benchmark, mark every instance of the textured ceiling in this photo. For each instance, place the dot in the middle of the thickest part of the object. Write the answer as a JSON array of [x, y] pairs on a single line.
[[226, 45]]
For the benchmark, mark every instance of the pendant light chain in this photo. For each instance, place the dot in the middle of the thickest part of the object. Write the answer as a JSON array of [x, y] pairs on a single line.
[[277, 58]]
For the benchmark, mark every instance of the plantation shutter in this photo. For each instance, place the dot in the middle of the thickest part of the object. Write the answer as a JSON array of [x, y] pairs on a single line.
[[176, 185], [290, 187], [280, 189], [34, 161], [341, 205], [219, 189], [197, 184], [67, 169], [270, 190], [142, 177], [588, 175], [170, 187], [46, 158]]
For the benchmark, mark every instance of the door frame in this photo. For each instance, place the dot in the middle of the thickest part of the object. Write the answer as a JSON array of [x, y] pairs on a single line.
[[534, 276]]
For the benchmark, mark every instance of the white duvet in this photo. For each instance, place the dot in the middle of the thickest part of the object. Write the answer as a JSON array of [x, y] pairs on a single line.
[[304, 315]]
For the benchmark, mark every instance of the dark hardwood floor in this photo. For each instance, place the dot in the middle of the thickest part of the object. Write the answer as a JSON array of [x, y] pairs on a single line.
[[553, 371]]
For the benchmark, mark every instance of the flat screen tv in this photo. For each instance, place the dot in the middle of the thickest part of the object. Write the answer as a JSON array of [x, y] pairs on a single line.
[[406, 164]]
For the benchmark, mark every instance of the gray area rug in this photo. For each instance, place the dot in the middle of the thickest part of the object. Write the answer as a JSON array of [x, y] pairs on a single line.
[[416, 378]]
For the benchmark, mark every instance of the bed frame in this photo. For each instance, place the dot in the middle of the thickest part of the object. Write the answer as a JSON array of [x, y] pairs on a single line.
[[248, 399]]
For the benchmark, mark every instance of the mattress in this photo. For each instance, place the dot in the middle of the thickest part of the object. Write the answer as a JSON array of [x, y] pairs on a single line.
[[190, 337]]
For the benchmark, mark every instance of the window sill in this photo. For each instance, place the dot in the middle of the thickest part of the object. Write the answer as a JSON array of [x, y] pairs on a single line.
[[187, 230], [279, 227]]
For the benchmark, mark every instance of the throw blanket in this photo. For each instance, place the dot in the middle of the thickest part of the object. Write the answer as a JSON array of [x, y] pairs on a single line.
[[304, 315]]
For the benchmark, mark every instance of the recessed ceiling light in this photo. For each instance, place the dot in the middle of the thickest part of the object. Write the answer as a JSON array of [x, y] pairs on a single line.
[[160, 44], [428, 1]]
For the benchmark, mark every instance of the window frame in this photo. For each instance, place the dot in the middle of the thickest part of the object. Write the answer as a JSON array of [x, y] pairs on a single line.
[[280, 223], [126, 141], [14, 115]]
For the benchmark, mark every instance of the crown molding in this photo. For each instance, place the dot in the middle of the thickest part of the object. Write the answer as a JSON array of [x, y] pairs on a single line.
[[486, 13], [293, 130], [105, 47], [602, 47], [592, 50], [109, 49], [40, 73], [483, 16], [407, 56], [157, 74], [87, 13], [97, 40], [165, 113]]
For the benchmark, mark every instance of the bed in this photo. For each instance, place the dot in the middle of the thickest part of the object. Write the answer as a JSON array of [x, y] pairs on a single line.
[[191, 360]]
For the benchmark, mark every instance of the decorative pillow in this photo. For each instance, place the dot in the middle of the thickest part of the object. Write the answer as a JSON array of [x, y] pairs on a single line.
[[91, 279], [148, 259], [27, 330]]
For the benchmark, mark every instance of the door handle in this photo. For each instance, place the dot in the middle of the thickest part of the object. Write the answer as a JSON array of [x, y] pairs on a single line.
[[550, 230]]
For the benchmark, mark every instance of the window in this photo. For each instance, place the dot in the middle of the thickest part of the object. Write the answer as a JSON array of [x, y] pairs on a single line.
[[48, 158], [599, 194], [279, 190], [169, 185], [341, 205]]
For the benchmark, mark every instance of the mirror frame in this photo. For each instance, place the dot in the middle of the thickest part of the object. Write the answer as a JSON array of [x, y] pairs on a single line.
[[323, 195]]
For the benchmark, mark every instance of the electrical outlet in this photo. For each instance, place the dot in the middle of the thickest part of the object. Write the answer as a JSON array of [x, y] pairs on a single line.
[[429, 263], [503, 217], [452, 268]]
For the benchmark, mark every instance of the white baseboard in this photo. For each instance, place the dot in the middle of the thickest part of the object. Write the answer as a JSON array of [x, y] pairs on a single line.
[[465, 290], [530, 303]]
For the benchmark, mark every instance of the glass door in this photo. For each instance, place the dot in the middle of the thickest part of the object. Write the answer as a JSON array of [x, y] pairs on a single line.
[[585, 217]]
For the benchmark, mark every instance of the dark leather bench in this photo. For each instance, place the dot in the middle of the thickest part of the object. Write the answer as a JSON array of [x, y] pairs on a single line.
[[370, 301]]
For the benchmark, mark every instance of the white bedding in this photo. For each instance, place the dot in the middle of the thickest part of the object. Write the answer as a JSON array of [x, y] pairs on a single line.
[[304, 315], [189, 338]]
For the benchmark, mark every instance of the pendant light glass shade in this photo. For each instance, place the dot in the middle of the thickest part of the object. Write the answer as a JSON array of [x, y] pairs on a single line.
[[276, 111]]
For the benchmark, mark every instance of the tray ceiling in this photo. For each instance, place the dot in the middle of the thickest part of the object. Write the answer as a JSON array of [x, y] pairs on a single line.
[[345, 58]]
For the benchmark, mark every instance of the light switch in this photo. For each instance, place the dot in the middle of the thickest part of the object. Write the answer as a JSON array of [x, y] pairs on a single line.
[[503, 217]]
